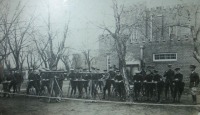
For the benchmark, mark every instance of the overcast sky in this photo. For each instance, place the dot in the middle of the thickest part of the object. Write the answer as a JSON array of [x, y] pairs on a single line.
[[84, 16]]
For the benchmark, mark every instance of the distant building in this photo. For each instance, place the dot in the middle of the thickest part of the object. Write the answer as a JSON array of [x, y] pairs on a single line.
[[157, 42]]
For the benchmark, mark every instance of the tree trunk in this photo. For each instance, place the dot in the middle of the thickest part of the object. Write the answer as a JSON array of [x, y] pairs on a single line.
[[123, 71], [67, 66], [17, 63], [89, 65]]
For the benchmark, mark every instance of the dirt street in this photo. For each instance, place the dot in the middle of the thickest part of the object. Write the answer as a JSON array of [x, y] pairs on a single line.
[[33, 106]]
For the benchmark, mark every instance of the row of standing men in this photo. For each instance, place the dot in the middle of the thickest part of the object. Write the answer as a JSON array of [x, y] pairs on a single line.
[[171, 83], [144, 83], [95, 82]]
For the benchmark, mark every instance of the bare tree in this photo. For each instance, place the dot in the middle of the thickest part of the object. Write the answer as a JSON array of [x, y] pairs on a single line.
[[5, 52], [41, 47], [49, 52], [88, 58], [6, 25], [76, 61], [8, 21], [187, 16], [121, 35], [33, 59], [17, 41], [66, 61], [14, 32]]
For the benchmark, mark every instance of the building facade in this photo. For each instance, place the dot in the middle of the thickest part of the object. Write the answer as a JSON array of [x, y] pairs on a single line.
[[157, 41]]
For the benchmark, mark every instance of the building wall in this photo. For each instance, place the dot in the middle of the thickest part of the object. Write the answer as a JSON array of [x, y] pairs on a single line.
[[183, 48], [165, 38], [106, 47]]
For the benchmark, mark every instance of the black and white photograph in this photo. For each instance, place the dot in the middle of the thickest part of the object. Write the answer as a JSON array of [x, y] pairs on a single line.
[[99, 57]]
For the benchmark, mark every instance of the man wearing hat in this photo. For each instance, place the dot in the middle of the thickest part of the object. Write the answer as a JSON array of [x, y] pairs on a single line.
[[148, 85], [98, 77], [34, 81], [137, 78], [169, 75], [178, 85], [119, 84], [106, 83], [194, 81], [72, 77], [157, 78]]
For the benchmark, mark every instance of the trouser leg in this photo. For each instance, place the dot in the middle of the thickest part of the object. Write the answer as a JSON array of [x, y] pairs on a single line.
[[158, 95], [5, 89], [193, 100], [172, 90], [175, 94], [119, 90], [166, 90], [29, 86], [104, 92]]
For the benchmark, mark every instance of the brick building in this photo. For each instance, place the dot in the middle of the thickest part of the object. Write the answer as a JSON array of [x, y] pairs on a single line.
[[157, 42]]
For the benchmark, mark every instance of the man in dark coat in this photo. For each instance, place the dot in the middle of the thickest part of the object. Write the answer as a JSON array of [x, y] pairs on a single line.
[[137, 78], [159, 84], [13, 82], [106, 83], [169, 75], [6, 81], [34, 81], [86, 77], [119, 84], [72, 77], [149, 84], [178, 85], [194, 81]]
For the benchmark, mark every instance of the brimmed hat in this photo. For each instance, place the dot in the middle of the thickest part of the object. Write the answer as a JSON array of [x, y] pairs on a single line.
[[155, 71], [105, 70], [192, 66], [117, 71], [150, 67], [176, 69], [169, 65]]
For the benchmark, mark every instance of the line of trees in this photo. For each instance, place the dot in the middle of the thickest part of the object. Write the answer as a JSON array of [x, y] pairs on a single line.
[[22, 42]]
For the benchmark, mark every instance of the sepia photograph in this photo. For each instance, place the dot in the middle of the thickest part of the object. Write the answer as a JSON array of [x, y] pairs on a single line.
[[99, 57]]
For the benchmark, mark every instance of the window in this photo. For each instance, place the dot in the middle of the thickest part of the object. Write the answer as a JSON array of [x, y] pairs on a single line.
[[108, 62], [165, 57]]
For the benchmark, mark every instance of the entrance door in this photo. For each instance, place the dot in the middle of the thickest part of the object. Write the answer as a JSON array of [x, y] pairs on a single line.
[[131, 69]]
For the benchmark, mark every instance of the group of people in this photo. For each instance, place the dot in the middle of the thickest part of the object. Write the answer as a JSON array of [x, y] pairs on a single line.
[[94, 82], [12, 79], [45, 82], [171, 83], [149, 84]]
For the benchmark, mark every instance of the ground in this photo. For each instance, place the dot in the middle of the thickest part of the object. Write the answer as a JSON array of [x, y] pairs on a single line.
[[21, 105], [33, 106]]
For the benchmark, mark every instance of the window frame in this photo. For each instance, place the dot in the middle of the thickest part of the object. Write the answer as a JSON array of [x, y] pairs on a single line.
[[165, 56]]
